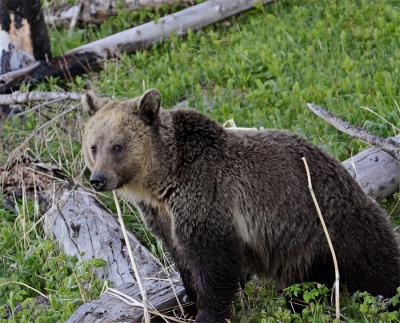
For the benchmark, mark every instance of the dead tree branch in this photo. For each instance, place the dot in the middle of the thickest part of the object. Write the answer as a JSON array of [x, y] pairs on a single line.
[[29, 97], [354, 131], [376, 170]]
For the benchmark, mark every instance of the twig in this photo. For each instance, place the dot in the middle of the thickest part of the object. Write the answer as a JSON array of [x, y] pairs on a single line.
[[132, 259], [231, 125], [346, 127], [328, 238], [26, 97]]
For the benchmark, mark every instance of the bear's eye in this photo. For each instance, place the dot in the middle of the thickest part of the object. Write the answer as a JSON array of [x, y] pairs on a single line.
[[117, 148], [94, 149]]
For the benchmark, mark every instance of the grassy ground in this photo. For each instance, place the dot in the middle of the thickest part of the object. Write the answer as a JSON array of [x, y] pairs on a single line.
[[259, 68]]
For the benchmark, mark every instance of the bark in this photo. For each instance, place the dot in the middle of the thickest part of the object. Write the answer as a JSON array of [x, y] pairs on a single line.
[[63, 67], [23, 35], [376, 170], [130, 41], [83, 227]]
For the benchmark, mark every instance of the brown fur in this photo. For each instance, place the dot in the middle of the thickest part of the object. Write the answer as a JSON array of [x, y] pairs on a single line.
[[227, 204]]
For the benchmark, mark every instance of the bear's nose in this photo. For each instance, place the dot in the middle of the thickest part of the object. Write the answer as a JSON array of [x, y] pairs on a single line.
[[98, 182]]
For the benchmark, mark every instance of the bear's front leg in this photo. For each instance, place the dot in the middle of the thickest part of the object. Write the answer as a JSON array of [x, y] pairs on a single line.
[[213, 257]]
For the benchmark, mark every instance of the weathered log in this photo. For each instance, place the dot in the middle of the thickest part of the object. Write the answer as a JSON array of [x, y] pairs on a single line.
[[96, 11], [130, 40], [23, 34], [195, 17], [83, 227], [376, 170]]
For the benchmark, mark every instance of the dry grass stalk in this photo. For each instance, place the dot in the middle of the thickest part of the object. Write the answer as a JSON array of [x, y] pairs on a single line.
[[25, 285], [328, 238], [132, 259], [133, 302]]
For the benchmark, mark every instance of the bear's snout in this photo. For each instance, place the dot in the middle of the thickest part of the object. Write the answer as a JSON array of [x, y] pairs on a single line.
[[98, 182]]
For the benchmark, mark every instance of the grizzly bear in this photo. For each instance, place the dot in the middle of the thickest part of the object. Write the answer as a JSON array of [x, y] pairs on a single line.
[[228, 204]]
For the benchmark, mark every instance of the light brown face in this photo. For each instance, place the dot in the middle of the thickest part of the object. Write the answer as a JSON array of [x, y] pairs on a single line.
[[117, 140]]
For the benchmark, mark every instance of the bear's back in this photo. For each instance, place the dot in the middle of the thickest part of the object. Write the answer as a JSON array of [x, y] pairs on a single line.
[[260, 177]]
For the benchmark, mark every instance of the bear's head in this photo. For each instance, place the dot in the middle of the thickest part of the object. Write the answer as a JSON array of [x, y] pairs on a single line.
[[118, 138]]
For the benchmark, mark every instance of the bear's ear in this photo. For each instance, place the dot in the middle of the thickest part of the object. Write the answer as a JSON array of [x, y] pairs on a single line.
[[91, 103], [149, 105]]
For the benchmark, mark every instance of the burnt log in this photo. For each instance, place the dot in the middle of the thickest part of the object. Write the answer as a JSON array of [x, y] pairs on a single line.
[[63, 67], [23, 35]]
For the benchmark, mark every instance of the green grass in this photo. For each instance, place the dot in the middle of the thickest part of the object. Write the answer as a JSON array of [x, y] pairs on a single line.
[[264, 67], [27, 258], [259, 68]]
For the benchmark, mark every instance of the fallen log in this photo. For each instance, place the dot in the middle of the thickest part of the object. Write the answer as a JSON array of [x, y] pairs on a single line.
[[91, 56], [377, 172]]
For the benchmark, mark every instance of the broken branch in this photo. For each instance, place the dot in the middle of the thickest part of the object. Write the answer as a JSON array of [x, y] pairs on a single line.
[[354, 131], [28, 97]]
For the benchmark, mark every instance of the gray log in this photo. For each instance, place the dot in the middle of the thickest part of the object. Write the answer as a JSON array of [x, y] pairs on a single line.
[[195, 17], [377, 172], [85, 229], [111, 309]]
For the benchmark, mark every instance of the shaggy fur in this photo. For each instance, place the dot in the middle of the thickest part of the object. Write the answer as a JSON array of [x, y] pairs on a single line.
[[230, 203]]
